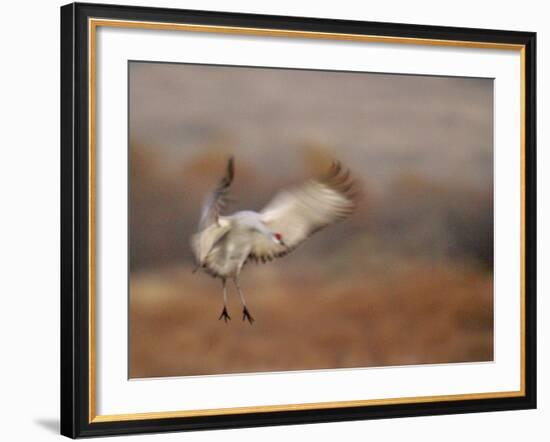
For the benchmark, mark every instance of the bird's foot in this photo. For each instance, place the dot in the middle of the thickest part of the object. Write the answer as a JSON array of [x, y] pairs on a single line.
[[247, 316], [224, 315]]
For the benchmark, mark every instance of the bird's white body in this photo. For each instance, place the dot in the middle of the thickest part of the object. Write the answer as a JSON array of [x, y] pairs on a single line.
[[224, 244]]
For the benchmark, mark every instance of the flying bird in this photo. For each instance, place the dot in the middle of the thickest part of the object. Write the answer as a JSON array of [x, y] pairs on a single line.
[[223, 244]]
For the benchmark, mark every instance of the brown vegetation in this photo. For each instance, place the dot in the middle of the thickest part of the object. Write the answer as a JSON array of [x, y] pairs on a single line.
[[419, 314]]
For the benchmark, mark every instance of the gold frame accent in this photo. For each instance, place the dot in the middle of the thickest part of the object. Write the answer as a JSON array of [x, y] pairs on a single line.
[[93, 24]]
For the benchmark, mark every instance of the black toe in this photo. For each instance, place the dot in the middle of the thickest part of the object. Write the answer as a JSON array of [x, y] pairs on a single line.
[[224, 315], [247, 316]]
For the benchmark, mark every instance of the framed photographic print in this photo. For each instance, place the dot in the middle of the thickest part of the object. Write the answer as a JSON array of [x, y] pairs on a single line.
[[278, 220]]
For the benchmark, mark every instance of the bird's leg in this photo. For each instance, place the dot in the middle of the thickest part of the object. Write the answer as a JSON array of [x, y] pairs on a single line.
[[224, 314], [246, 314]]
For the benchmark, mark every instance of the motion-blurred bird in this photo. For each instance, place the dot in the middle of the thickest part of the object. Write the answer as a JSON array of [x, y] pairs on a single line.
[[223, 244]]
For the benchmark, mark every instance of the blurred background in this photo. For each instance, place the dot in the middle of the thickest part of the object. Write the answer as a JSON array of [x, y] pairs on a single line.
[[406, 280]]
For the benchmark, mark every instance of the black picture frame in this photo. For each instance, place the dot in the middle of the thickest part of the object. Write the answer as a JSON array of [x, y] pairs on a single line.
[[75, 219]]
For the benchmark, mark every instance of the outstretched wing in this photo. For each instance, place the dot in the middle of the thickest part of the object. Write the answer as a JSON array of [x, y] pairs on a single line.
[[216, 200], [299, 212]]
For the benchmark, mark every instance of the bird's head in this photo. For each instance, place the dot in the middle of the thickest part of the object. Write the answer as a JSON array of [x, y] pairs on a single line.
[[278, 239]]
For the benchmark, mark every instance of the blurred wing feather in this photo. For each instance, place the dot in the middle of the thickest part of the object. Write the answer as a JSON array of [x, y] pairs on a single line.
[[216, 201], [299, 212], [205, 240]]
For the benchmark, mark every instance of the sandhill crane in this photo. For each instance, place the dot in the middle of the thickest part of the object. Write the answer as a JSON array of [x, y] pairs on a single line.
[[223, 244]]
